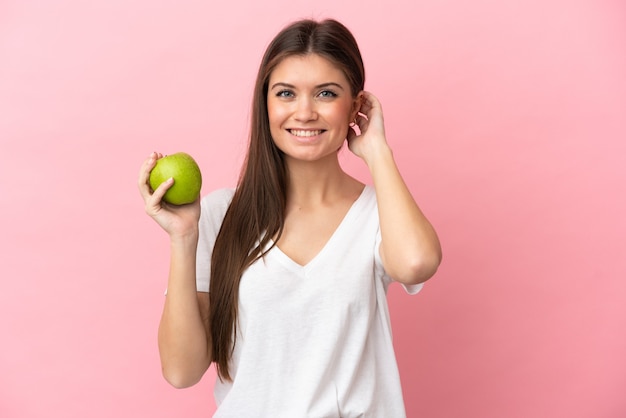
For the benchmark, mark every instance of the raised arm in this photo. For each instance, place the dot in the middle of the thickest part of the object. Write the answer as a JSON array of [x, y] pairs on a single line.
[[410, 248], [183, 336]]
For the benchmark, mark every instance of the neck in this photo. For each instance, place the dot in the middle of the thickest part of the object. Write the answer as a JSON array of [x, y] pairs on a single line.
[[318, 182]]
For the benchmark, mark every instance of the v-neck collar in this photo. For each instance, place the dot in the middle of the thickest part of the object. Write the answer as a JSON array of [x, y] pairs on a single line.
[[292, 265]]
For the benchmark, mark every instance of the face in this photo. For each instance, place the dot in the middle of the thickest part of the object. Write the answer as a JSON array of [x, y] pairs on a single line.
[[310, 106]]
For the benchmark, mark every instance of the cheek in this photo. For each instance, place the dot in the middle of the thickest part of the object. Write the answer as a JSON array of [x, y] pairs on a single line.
[[276, 119], [340, 117], [275, 115]]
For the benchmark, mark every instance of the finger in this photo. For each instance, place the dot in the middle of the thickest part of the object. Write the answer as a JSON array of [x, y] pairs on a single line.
[[370, 99], [362, 122], [144, 173], [369, 103], [154, 202], [160, 191], [147, 166], [366, 110]]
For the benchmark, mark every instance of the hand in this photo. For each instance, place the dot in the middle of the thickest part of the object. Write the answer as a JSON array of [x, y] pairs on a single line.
[[371, 140], [175, 220]]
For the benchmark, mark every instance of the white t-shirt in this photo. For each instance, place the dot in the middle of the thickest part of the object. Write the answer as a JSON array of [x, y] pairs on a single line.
[[313, 340]]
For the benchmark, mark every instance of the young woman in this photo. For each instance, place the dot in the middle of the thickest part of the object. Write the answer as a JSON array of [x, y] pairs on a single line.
[[281, 282]]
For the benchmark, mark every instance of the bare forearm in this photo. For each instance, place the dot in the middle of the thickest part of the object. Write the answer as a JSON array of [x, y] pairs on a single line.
[[410, 248], [183, 342]]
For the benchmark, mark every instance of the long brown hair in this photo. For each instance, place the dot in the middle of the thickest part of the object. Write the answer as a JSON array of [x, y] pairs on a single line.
[[256, 214]]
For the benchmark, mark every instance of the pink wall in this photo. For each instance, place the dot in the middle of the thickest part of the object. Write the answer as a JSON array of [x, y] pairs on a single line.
[[508, 119]]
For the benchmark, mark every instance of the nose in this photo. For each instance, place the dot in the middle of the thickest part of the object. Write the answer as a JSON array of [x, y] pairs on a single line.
[[305, 109]]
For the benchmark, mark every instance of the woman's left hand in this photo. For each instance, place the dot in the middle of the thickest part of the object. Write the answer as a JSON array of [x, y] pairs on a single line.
[[371, 139]]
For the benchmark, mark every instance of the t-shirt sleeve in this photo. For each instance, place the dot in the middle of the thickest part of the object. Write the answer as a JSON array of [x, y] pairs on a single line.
[[213, 209], [411, 289]]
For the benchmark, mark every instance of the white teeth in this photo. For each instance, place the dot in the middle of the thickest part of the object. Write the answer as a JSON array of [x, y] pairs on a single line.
[[304, 133]]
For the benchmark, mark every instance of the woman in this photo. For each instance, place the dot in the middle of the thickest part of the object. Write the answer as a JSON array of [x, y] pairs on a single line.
[[282, 281]]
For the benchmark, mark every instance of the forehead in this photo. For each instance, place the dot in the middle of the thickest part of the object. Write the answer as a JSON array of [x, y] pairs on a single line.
[[307, 69]]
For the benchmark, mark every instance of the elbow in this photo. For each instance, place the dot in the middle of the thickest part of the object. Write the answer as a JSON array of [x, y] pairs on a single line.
[[418, 269], [183, 368], [179, 379], [413, 262]]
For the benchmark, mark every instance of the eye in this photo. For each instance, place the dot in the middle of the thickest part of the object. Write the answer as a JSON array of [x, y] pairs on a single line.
[[284, 93], [327, 94]]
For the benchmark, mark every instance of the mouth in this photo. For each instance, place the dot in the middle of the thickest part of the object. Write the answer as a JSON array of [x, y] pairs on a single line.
[[305, 133]]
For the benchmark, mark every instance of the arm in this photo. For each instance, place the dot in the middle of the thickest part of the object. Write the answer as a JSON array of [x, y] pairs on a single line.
[[410, 248], [184, 328], [183, 337]]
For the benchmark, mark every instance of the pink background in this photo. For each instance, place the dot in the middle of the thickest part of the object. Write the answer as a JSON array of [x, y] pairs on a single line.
[[509, 122]]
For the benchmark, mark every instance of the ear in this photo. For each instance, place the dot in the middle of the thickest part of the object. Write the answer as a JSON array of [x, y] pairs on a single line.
[[356, 106]]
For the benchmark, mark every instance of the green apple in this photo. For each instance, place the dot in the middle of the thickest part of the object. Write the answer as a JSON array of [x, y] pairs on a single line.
[[187, 178]]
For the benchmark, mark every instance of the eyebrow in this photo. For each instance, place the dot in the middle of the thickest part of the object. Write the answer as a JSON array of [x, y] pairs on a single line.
[[319, 86]]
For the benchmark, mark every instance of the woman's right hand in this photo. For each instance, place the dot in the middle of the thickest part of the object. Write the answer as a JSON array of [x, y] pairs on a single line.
[[175, 220]]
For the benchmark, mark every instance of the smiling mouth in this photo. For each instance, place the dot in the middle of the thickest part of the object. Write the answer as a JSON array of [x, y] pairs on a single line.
[[305, 133]]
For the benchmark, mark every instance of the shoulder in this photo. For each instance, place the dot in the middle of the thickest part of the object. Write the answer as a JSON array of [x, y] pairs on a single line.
[[218, 198], [367, 199], [215, 204], [369, 193]]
